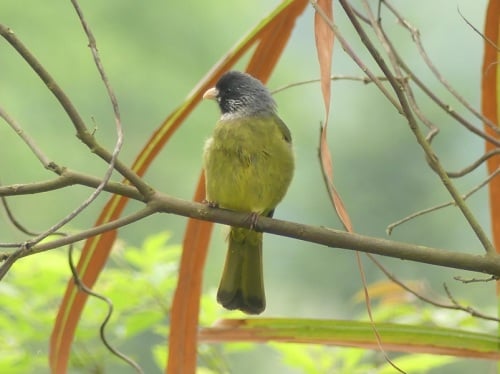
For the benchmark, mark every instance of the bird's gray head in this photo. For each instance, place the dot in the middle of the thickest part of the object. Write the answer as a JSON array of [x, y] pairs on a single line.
[[239, 93]]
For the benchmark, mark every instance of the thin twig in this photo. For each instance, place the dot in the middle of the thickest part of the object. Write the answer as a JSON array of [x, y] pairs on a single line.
[[347, 48], [109, 304], [398, 74], [364, 80], [441, 104], [401, 284], [13, 220], [378, 338], [396, 60], [25, 249], [491, 43], [47, 164], [484, 37], [474, 165], [467, 309], [69, 178], [434, 208], [455, 306], [415, 34]]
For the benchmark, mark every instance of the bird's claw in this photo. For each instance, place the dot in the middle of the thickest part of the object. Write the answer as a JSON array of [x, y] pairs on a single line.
[[211, 204], [254, 217]]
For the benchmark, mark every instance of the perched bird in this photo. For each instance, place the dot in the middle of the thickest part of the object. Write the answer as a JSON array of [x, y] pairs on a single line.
[[248, 165]]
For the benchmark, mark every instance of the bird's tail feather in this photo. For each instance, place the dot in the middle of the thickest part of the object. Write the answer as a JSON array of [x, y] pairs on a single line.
[[242, 283]]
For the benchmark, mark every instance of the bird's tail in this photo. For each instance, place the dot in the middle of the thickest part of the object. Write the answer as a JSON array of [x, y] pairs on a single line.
[[242, 284]]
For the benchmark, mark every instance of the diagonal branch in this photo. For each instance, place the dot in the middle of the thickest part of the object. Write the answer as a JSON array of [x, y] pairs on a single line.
[[393, 225], [30, 142], [415, 34], [82, 131]]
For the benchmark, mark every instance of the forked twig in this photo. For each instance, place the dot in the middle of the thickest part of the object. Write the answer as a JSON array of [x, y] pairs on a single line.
[[455, 305], [473, 312], [415, 34]]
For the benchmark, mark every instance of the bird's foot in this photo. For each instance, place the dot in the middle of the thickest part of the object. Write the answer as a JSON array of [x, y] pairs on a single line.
[[253, 217], [211, 204]]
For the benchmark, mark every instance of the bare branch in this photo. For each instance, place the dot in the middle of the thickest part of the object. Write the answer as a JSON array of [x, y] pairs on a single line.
[[112, 161], [28, 248], [474, 165], [370, 315], [473, 312], [415, 34], [446, 107], [47, 164], [13, 220], [489, 41], [80, 126], [426, 147], [455, 306], [347, 48]]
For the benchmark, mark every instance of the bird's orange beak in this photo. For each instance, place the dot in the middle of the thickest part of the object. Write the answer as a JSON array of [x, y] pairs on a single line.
[[211, 93]]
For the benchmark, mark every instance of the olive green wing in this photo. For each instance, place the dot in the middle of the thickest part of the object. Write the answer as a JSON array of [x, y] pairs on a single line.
[[283, 129]]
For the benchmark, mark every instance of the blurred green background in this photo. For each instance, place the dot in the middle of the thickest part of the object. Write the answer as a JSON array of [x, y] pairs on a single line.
[[155, 52]]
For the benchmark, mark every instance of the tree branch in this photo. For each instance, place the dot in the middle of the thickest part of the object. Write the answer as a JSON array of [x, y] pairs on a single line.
[[70, 178], [489, 264], [82, 132]]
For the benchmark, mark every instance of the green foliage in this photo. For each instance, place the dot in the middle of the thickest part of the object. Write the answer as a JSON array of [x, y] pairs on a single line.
[[140, 282], [29, 298]]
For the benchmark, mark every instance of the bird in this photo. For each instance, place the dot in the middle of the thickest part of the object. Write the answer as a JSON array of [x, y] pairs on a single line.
[[248, 164]]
